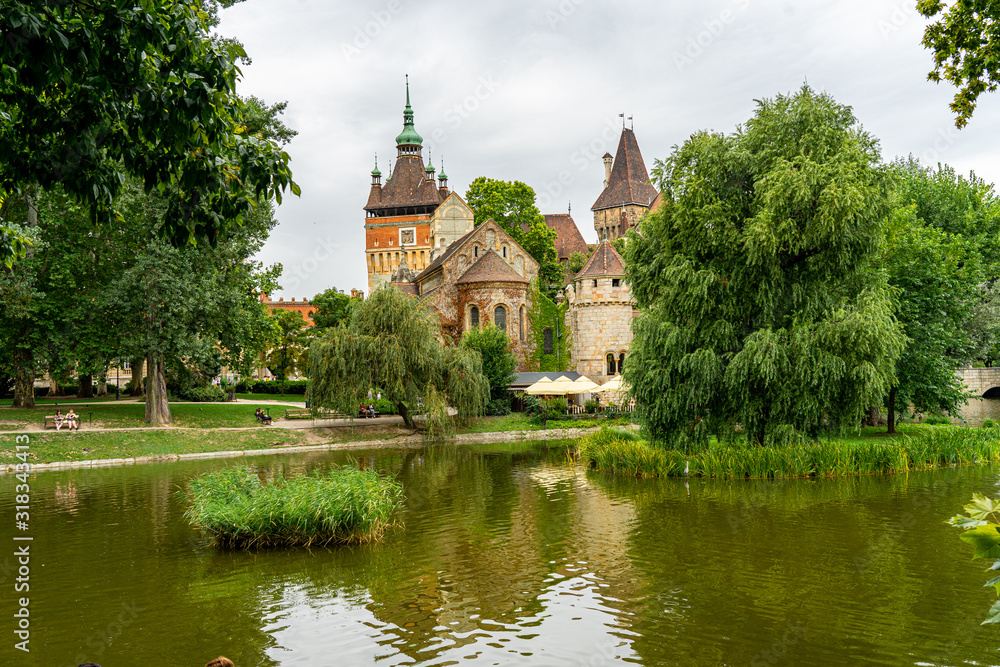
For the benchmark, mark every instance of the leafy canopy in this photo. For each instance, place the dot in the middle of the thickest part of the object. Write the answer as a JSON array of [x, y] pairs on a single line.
[[763, 302], [965, 40], [494, 348]]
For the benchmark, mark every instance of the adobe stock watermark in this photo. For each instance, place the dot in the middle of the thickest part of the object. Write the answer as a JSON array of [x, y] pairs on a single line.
[[97, 642], [369, 32], [562, 12], [900, 14], [323, 252], [945, 138], [483, 89], [584, 156], [713, 30]]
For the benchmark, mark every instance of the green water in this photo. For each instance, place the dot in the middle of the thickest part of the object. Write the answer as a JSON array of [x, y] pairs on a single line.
[[510, 556]]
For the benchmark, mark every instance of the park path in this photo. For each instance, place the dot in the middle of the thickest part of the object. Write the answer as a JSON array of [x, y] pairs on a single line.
[[289, 424]]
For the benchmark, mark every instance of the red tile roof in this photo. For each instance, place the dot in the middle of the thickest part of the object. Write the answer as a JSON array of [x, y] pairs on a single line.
[[629, 182], [491, 269], [568, 238], [408, 186], [604, 262]]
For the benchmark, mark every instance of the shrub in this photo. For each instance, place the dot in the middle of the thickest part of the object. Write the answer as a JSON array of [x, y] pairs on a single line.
[[557, 405], [272, 387], [340, 506], [989, 423], [937, 420], [531, 405], [590, 405], [497, 407], [209, 394]]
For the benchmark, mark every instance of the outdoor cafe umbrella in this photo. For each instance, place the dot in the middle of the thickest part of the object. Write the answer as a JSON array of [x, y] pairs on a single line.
[[560, 386], [614, 384]]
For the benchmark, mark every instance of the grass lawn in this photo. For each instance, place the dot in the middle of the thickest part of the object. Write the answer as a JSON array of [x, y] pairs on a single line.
[[125, 415], [83, 446]]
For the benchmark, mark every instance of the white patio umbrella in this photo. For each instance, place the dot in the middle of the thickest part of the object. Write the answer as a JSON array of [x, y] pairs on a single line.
[[614, 384]]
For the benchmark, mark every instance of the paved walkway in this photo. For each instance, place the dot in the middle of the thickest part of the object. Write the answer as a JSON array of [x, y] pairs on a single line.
[[290, 424]]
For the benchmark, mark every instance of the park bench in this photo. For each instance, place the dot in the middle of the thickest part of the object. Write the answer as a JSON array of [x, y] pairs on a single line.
[[264, 417], [50, 420], [364, 413], [298, 413]]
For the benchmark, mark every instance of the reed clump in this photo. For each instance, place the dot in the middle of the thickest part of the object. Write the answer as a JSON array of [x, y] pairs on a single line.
[[342, 505], [623, 453]]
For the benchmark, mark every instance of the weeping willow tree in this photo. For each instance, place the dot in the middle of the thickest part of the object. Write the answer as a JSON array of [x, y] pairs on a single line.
[[765, 307], [390, 342]]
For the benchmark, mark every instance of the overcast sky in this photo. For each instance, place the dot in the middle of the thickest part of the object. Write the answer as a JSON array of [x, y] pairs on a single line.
[[530, 90]]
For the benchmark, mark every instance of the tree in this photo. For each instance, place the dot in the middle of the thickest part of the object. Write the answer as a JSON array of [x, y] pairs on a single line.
[[390, 341], [91, 92], [550, 337], [939, 286], [965, 39], [763, 304], [511, 204], [494, 348], [576, 262], [290, 352], [332, 308]]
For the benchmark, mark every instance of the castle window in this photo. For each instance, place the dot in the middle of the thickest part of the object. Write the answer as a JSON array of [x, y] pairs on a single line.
[[595, 283], [616, 282], [474, 317], [520, 323], [611, 363], [547, 345], [500, 318], [475, 251], [621, 362], [505, 252]]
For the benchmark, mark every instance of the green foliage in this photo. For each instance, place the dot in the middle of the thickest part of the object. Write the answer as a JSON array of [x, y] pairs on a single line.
[[547, 314], [260, 387], [982, 530], [936, 420], [340, 506], [763, 302], [540, 242], [576, 262], [290, 354], [332, 308], [531, 404], [989, 423], [391, 342], [964, 41], [924, 450], [591, 405], [208, 394], [65, 121], [499, 362], [557, 405]]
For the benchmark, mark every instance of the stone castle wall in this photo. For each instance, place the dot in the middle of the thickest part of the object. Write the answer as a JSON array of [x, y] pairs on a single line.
[[601, 321], [608, 221]]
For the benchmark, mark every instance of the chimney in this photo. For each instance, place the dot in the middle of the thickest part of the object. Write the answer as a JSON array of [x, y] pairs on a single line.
[[607, 168]]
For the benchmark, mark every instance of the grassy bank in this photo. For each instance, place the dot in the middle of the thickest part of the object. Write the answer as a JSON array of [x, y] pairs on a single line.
[[340, 506], [133, 415], [84, 446], [919, 448]]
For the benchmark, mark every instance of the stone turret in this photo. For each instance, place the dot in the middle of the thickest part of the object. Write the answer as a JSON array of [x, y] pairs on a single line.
[[627, 193]]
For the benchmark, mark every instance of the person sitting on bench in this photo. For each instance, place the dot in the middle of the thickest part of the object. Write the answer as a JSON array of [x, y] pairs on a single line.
[[72, 420], [371, 411], [262, 417], [58, 419]]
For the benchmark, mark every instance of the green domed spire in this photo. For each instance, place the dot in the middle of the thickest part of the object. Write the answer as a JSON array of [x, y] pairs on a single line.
[[375, 171], [429, 168], [408, 136], [442, 175]]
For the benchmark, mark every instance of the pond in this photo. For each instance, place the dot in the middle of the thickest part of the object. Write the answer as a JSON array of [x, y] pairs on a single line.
[[511, 555]]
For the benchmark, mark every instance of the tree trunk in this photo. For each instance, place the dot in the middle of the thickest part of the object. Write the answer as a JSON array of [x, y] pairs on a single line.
[[405, 414], [891, 419], [102, 383], [85, 386], [24, 378], [55, 389], [137, 388], [157, 406]]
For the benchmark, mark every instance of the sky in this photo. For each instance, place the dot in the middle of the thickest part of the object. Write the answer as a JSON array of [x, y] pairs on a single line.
[[532, 91]]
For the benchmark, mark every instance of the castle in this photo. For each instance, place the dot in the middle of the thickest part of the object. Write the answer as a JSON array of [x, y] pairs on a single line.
[[421, 238]]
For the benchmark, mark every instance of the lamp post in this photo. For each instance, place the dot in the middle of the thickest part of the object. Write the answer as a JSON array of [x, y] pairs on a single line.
[[118, 380]]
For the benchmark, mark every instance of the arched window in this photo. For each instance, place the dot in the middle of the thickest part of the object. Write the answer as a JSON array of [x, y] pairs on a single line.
[[520, 322], [547, 344], [500, 318], [621, 362], [505, 252], [474, 317], [475, 251], [611, 363]]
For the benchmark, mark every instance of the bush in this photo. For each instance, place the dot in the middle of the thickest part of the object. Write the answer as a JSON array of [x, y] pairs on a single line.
[[557, 406], [272, 387], [340, 506], [590, 405], [989, 423], [531, 405], [937, 420], [385, 406], [209, 394], [497, 407]]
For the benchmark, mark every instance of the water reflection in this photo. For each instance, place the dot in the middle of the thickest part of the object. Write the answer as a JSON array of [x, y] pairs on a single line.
[[510, 555]]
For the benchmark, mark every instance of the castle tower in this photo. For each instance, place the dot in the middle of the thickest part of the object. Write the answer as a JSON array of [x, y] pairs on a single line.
[[627, 193], [600, 315], [398, 213]]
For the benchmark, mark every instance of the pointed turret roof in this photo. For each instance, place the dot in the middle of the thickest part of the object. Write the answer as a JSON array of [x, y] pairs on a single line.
[[629, 182], [409, 136], [605, 261], [491, 269]]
